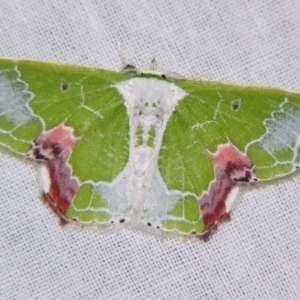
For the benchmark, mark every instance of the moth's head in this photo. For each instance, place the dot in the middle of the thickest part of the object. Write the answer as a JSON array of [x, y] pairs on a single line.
[[132, 71]]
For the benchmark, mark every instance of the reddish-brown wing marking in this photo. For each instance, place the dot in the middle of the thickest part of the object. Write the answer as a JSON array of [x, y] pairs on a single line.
[[231, 168], [52, 149]]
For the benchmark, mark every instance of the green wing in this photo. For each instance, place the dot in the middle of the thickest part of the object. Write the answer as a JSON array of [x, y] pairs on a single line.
[[263, 123], [38, 96], [173, 157]]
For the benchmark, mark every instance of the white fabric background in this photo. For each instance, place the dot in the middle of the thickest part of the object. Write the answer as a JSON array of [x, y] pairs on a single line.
[[256, 255]]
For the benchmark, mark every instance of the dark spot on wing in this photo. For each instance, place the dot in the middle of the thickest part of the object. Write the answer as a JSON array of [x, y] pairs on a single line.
[[56, 149], [235, 105], [37, 155], [64, 86], [232, 167], [245, 178]]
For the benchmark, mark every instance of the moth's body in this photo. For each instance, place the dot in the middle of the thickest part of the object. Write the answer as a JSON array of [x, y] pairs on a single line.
[[150, 103]]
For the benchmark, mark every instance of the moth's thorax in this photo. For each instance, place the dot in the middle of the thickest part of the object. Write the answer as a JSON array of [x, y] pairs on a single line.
[[150, 103]]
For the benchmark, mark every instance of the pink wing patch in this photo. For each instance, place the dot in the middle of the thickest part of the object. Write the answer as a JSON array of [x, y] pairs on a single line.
[[52, 149], [232, 167]]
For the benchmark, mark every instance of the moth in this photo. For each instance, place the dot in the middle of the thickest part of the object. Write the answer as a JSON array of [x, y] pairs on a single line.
[[145, 148]]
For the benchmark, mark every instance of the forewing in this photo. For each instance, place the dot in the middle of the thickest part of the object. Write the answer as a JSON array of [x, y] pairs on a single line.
[[241, 122]]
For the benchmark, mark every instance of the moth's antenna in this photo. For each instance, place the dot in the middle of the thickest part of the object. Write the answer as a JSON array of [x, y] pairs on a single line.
[[127, 67], [122, 56], [200, 76], [153, 65]]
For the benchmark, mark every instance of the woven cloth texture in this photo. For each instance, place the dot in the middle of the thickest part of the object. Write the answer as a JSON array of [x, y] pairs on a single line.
[[254, 256]]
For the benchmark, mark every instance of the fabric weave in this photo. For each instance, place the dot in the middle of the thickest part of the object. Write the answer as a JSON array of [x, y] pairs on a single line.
[[254, 256]]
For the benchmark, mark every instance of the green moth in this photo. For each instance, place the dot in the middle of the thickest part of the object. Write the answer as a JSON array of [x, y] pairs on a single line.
[[145, 148]]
